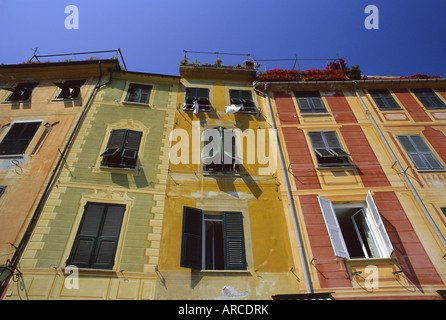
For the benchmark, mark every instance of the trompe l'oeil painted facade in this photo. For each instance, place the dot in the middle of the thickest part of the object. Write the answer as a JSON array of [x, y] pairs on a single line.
[[221, 183]]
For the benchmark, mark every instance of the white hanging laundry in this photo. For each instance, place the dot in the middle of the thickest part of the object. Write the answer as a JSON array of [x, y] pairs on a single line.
[[195, 107], [233, 108]]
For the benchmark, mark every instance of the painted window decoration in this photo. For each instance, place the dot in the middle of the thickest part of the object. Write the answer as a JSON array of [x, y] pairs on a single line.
[[212, 241], [220, 151], [328, 149], [138, 93], [356, 230], [22, 92], [428, 98], [384, 99], [242, 98], [69, 89], [310, 102], [18, 138], [97, 237], [419, 152], [122, 149], [197, 99]]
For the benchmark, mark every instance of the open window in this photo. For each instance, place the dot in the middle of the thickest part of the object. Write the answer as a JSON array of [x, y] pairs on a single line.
[[197, 99], [97, 237], [69, 89], [310, 102], [212, 241], [122, 149], [356, 230], [220, 151], [18, 138], [22, 92], [328, 149], [244, 99]]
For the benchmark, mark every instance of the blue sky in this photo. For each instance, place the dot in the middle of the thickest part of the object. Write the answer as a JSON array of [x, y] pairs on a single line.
[[153, 34]]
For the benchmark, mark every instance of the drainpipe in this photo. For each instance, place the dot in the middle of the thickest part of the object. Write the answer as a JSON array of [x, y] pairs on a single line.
[[400, 168], [51, 183], [290, 199]]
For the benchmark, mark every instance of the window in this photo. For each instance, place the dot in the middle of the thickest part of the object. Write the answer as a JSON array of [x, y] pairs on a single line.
[[420, 154], [97, 237], [220, 154], [18, 138], [122, 149], [69, 89], [242, 97], [138, 93], [356, 230], [383, 99], [2, 190], [444, 210], [328, 149], [310, 102], [428, 98], [212, 241], [22, 91], [200, 96]]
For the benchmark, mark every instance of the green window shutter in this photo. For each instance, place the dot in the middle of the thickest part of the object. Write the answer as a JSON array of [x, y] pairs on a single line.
[[428, 98], [138, 93], [333, 143], [97, 238], [22, 91], [234, 242], [131, 144], [191, 243], [319, 145], [18, 138], [108, 237], [115, 143], [310, 102]]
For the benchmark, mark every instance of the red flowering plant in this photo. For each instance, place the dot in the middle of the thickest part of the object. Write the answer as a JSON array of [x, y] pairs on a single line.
[[420, 76]]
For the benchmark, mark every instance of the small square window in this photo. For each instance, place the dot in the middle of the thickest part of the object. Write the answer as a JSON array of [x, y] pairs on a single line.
[[420, 153], [22, 92], [328, 149], [197, 98], [429, 99], [244, 99], [383, 99], [122, 149], [138, 93], [220, 151], [310, 102]]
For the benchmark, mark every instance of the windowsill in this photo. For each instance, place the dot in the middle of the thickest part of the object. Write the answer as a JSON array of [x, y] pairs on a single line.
[[341, 167], [92, 271], [133, 171], [12, 156], [432, 171], [225, 271], [225, 173], [317, 114], [199, 110], [435, 108], [18, 101], [391, 109], [136, 103], [64, 99]]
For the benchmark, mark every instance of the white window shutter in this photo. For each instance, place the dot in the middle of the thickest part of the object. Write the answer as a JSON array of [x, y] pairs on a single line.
[[379, 224], [334, 231]]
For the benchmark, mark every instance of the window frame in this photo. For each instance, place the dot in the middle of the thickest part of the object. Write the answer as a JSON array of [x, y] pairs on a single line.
[[237, 99], [234, 166], [71, 85], [90, 261], [114, 150], [332, 149], [202, 107], [193, 240], [426, 95], [308, 97], [373, 219], [130, 85], [419, 153], [384, 95], [6, 138], [14, 91]]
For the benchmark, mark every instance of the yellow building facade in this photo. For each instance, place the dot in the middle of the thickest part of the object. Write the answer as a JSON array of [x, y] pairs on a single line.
[[224, 229]]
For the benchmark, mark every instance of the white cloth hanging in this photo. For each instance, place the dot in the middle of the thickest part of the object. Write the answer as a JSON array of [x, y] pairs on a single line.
[[233, 108], [195, 107]]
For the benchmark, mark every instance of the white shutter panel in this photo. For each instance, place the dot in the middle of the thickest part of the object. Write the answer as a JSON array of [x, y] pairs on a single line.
[[334, 231], [379, 224]]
